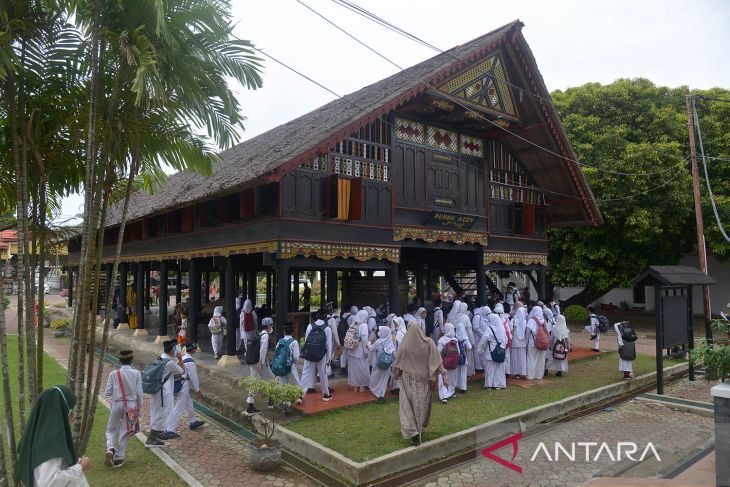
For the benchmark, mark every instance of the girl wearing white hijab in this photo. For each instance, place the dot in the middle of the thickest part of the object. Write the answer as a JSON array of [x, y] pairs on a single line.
[[447, 390], [349, 319], [421, 314], [549, 319], [454, 312], [507, 325], [518, 355], [494, 373], [379, 377], [464, 318], [358, 373], [535, 358], [560, 332], [216, 325], [372, 332], [478, 327], [467, 347], [399, 334], [247, 313]]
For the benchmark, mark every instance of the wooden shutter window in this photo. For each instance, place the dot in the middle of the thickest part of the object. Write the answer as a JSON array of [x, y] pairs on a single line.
[[188, 216], [343, 198]]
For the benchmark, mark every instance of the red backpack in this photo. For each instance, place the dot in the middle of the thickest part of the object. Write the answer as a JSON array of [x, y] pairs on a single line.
[[542, 337], [248, 321], [450, 355]]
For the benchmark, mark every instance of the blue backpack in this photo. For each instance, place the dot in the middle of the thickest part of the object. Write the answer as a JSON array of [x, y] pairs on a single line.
[[462, 352], [152, 376], [385, 360], [281, 364]]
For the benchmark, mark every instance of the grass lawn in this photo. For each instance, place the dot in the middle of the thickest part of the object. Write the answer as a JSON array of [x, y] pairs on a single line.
[[370, 430], [142, 467]]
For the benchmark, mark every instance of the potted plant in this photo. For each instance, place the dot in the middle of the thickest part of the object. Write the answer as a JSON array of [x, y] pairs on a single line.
[[266, 451], [59, 326], [714, 357]]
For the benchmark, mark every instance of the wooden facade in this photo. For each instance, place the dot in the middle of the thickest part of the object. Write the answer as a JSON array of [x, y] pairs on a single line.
[[458, 164]]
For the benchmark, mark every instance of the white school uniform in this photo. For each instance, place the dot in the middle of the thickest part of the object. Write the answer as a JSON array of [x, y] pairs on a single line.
[[438, 323], [162, 403], [358, 371], [623, 365], [216, 337], [116, 427], [293, 376], [518, 354], [378, 377], [452, 375], [312, 369], [57, 473], [183, 401], [592, 328], [535, 358], [494, 373], [253, 370], [464, 342]]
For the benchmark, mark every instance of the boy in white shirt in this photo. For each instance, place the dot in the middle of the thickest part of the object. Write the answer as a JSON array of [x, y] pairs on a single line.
[[117, 431], [183, 401]]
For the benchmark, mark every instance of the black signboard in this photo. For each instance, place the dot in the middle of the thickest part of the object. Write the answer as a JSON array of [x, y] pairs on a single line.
[[450, 220]]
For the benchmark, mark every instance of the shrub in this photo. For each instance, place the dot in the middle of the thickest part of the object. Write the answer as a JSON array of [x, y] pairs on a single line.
[[6, 302], [60, 324], [277, 393], [60, 305], [576, 312]]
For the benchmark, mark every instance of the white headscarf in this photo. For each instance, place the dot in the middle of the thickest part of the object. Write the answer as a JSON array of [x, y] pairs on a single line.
[[247, 306], [361, 316], [389, 320], [535, 315], [449, 330], [460, 330], [218, 311], [386, 339], [401, 328], [560, 329], [455, 307], [499, 309], [549, 320], [520, 323], [496, 325]]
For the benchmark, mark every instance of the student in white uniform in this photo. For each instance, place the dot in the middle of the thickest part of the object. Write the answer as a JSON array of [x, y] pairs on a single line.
[[535, 357], [183, 401], [421, 315], [507, 325], [358, 372], [465, 346], [495, 334], [46, 453], [399, 333], [261, 367], [217, 325], [518, 354], [593, 329], [438, 320], [384, 350], [410, 313], [293, 346], [248, 323], [161, 403], [627, 350], [130, 399], [317, 342], [559, 346], [447, 390], [478, 328]]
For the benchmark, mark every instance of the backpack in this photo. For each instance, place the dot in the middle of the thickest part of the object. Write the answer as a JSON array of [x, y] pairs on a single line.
[[542, 337], [352, 337], [248, 321], [560, 350], [281, 364], [385, 360], [216, 325], [179, 381], [450, 355], [253, 350], [315, 346], [627, 332], [342, 327], [462, 353], [429, 322], [499, 354], [628, 351], [152, 376], [602, 323]]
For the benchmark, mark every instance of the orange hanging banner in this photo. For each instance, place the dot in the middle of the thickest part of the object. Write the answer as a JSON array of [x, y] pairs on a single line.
[[343, 198]]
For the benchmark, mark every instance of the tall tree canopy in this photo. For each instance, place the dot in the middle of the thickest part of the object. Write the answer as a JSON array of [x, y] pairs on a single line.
[[633, 135]]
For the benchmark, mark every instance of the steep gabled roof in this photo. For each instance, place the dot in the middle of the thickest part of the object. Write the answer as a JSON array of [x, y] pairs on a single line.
[[267, 157]]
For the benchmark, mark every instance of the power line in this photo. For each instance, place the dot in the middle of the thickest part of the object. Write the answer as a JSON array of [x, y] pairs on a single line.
[[707, 176], [457, 102]]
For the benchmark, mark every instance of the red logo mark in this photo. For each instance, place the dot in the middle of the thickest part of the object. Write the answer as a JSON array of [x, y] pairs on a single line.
[[487, 452]]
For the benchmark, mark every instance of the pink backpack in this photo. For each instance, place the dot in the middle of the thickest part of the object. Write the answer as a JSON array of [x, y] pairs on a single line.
[[542, 337], [450, 355]]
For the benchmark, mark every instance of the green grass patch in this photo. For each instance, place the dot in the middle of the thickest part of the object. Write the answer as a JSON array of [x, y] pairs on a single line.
[[371, 430], [141, 466]]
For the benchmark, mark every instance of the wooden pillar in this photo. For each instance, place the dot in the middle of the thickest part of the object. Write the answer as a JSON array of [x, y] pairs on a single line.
[[139, 304], [481, 278], [163, 299], [178, 284], [70, 287], [252, 287], [332, 287], [194, 298], [206, 291], [282, 295], [123, 285], [222, 284], [541, 285], [229, 287], [393, 291], [109, 286], [147, 285], [419, 277], [269, 287]]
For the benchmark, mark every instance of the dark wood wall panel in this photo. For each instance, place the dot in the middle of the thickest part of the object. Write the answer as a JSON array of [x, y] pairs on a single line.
[[377, 202], [305, 193], [409, 173]]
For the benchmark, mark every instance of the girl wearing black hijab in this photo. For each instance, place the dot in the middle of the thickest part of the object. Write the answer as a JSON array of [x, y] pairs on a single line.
[[46, 454]]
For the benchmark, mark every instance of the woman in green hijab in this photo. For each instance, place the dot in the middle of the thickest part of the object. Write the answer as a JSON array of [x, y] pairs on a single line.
[[46, 455]]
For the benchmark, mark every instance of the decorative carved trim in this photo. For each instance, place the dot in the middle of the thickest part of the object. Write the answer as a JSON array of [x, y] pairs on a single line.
[[431, 235], [329, 251], [515, 258], [250, 248]]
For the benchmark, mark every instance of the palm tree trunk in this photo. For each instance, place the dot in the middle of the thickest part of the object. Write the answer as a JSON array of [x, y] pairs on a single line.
[[30, 287], [107, 313], [41, 283], [8, 416]]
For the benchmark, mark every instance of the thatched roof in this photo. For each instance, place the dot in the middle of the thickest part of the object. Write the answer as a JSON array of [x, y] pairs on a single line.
[[270, 155]]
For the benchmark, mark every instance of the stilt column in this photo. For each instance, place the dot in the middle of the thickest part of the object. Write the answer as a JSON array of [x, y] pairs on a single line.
[[139, 304], [228, 286]]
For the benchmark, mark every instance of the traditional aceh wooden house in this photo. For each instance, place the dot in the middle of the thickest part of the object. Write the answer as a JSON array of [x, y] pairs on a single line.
[[459, 163]]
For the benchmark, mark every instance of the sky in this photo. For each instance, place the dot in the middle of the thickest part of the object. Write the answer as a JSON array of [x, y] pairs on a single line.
[[671, 42]]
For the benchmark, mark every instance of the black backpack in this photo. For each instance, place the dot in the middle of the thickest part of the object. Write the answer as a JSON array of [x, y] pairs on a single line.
[[315, 347], [430, 322], [253, 350], [627, 332], [342, 327], [602, 323]]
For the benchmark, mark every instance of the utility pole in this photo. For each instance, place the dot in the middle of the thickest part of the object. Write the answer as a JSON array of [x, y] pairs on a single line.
[[701, 248]]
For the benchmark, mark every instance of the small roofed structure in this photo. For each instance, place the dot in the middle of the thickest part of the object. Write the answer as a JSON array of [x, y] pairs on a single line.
[[674, 319]]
